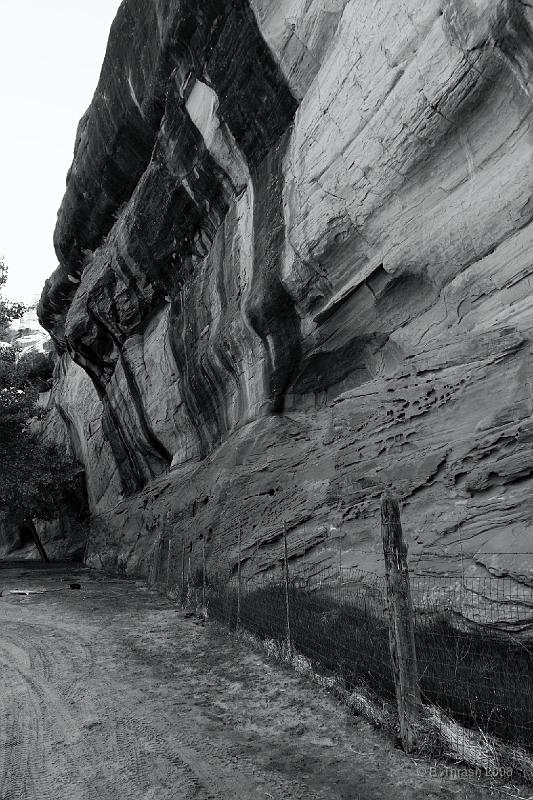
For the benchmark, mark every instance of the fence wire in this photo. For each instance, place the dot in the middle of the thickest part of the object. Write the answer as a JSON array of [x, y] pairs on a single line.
[[474, 636], [474, 659]]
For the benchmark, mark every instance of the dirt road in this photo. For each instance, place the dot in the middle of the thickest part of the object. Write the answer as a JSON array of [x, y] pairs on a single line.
[[108, 693]]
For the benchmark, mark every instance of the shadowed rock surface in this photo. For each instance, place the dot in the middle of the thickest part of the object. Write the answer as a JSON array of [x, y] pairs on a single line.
[[295, 268]]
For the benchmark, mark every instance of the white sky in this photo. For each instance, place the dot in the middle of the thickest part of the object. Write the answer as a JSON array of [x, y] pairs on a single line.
[[51, 53]]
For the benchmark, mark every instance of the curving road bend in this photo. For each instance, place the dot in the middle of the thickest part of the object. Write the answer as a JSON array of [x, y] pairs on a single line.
[[108, 692]]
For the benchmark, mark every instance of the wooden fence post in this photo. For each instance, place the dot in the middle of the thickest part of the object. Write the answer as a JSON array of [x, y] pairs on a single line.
[[203, 570], [168, 560], [239, 578], [154, 567], [287, 584], [182, 569], [168, 538], [401, 622]]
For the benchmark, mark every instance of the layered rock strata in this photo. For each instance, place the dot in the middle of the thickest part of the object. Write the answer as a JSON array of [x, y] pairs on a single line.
[[295, 268]]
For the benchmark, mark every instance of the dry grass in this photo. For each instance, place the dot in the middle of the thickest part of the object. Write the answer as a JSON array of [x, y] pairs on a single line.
[[477, 685]]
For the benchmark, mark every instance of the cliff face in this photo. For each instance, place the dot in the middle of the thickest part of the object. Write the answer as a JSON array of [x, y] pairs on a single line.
[[295, 267], [27, 335]]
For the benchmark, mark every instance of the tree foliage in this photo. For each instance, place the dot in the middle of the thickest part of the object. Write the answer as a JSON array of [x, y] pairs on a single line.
[[31, 370], [36, 479], [9, 310]]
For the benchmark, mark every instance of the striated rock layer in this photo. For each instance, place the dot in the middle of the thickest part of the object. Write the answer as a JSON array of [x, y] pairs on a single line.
[[295, 267]]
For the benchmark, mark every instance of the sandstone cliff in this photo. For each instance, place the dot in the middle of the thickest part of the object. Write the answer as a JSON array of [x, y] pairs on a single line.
[[295, 267], [26, 335]]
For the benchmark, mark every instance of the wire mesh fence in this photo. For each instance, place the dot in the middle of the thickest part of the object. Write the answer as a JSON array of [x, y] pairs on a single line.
[[339, 626], [473, 636], [475, 662]]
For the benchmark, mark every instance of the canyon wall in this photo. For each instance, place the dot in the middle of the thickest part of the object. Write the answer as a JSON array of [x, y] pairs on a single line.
[[295, 265]]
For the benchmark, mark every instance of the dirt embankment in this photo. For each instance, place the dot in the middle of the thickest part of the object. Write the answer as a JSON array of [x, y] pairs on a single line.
[[108, 692]]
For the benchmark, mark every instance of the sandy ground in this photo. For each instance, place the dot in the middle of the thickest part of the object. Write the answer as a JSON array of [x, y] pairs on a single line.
[[109, 692]]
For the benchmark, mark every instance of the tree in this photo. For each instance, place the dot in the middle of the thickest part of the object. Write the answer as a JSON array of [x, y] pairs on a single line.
[[9, 310], [36, 479], [32, 370], [38, 482]]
